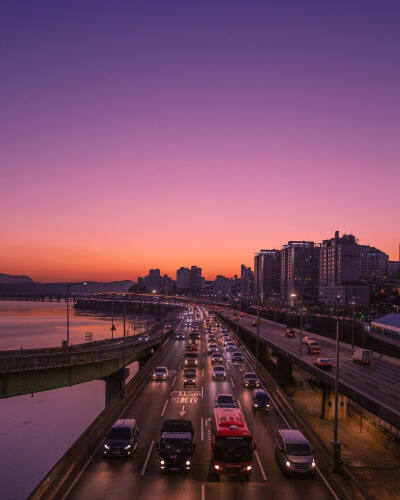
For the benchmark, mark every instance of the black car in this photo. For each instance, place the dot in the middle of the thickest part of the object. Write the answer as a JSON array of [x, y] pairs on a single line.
[[180, 336], [260, 401], [122, 438], [250, 379], [189, 377]]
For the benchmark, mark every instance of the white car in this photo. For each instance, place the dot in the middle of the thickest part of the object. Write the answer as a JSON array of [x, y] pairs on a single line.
[[160, 373], [218, 373]]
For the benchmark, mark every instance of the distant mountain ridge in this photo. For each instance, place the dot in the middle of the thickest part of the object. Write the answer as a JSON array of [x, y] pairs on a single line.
[[7, 279], [30, 287]]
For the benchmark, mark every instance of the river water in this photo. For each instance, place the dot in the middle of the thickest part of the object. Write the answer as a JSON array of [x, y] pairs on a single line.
[[36, 430]]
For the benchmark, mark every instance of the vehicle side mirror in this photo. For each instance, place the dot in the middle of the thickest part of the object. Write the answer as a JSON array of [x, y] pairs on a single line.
[[158, 446]]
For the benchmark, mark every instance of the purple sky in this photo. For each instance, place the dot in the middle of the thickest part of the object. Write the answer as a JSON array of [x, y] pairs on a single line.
[[142, 134]]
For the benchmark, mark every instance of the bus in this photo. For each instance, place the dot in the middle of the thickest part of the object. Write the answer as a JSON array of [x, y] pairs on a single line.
[[232, 444]]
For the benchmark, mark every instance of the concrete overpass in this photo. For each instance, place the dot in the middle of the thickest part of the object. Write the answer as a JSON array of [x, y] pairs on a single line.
[[373, 388], [36, 370]]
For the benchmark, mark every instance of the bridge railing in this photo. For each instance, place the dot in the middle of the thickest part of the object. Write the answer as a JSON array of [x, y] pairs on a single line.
[[82, 354]]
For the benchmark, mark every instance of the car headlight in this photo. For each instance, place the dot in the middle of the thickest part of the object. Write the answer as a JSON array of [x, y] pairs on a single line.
[[127, 447], [287, 463], [106, 447], [217, 467], [313, 464], [187, 462], [248, 467], [256, 405], [162, 462], [185, 380], [267, 406]]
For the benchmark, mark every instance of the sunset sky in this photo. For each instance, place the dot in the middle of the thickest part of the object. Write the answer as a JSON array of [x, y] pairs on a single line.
[[138, 134]]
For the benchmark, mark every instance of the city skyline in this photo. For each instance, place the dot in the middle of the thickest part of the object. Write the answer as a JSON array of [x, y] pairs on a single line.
[[188, 133]]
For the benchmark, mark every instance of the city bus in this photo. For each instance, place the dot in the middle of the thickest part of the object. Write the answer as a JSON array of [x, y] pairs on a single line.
[[232, 444]]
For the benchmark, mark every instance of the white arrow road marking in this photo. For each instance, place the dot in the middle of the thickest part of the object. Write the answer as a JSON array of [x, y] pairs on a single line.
[[182, 412]]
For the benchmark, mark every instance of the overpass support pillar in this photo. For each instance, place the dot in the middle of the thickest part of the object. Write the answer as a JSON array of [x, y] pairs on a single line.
[[328, 404], [114, 384], [285, 367]]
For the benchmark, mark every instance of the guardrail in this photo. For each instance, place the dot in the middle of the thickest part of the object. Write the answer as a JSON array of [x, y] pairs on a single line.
[[38, 359], [64, 472], [288, 410]]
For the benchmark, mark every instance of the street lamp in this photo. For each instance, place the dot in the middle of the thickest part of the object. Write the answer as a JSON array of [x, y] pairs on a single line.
[[353, 302], [258, 322], [335, 442], [69, 285], [124, 350]]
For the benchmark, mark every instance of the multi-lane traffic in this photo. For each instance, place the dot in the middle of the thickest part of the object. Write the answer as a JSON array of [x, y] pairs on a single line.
[[379, 380], [140, 476]]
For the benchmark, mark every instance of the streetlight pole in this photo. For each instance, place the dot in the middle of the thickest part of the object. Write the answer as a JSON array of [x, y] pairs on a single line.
[[124, 350], [69, 285], [335, 442], [301, 328], [352, 326], [258, 323]]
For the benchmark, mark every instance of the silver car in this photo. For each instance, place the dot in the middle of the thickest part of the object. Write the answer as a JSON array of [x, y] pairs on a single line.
[[293, 453], [218, 373]]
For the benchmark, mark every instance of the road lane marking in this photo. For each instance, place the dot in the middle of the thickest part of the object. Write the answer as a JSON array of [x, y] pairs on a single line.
[[260, 465], [201, 429], [173, 382], [202, 372], [232, 382], [202, 393], [165, 406], [327, 484], [147, 458], [203, 492]]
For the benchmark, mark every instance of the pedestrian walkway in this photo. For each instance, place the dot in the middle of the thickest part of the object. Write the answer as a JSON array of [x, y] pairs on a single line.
[[372, 456]]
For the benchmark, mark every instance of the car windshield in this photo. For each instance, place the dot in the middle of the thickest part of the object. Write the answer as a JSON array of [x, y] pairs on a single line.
[[250, 375], [217, 356], [160, 370], [122, 433], [233, 449], [190, 373], [298, 449], [191, 355], [219, 369], [174, 445], [225, 399]]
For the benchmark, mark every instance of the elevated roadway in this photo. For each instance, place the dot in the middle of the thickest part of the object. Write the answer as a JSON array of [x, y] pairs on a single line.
[[373, 387]]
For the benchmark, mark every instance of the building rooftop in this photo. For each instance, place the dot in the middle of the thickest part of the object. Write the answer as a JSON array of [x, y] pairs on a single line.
[[389, 322]]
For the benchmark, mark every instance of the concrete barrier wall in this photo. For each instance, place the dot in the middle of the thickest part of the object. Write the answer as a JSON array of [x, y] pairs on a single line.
[[70, 464]]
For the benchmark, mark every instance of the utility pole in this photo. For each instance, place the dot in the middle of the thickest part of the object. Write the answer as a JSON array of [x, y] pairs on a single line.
[[124, 350], [258, 323], [335, 442]]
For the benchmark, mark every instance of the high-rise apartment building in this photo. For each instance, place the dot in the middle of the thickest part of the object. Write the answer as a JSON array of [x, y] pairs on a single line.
[[393, 269], [195, 278], [373, 264], [340, 271], [267, 272], [183, 279], [300, 270], [223, 287], [153, 281], [246, 282], [188, 279]]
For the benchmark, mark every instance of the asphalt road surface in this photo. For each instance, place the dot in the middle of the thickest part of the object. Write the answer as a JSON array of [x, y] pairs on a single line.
[[139, 477], [379, 380]]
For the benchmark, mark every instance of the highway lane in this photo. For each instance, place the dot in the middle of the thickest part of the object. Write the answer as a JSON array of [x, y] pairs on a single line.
[[140, 476], [378, 381]]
